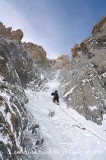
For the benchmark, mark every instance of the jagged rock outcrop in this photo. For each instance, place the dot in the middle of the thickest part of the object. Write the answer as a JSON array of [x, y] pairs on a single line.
[[16, 64], [17, 70], [96, 41], [16, 35], [75, 50], [37, 52], [84, 86], [61, 62], [39, 56], [99, 27]]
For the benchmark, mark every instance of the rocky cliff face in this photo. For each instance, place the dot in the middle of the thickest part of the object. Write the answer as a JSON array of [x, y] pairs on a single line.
[[7, 32], [13, 119], [16, 64], [62, 62], [37, 52], [17, 69], [84, 86]]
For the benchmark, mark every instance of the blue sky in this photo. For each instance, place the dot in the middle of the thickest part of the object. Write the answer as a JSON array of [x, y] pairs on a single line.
[[57, 25]]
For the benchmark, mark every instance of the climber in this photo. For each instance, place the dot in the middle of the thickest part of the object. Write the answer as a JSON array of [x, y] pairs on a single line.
[[56, 97]]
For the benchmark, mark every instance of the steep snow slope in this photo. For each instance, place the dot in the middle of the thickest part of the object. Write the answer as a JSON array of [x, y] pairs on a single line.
[[63, 139]]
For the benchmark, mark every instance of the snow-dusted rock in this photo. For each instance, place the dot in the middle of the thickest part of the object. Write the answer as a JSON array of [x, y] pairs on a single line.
[[17, 69], [17, 65], [85, 84], [13, 119]]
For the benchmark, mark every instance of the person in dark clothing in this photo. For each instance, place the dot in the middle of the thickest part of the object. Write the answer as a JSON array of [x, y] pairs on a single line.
[[56, 97]]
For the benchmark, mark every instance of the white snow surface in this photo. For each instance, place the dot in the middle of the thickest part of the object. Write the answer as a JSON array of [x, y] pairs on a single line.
[[63, 140], [92, 107], [104, 74]]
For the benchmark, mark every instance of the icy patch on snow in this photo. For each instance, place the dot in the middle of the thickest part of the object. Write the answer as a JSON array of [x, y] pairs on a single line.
[[104, 75], [1, 79], [92, 107], [85, 80], [42, 77], [4, 139], [105, 102], [8, 118]]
